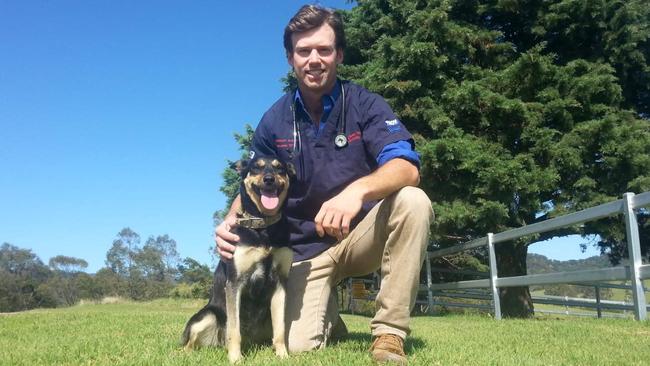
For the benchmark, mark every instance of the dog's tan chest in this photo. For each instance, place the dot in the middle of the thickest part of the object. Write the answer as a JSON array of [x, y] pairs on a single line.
[[247, 257], [282, 259]]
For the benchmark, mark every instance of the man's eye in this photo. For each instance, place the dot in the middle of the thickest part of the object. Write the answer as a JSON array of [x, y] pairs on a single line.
[[303, 52], [325, 51]]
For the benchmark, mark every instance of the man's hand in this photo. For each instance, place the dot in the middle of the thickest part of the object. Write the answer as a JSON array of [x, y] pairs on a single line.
[[225, 239], [336, 214]]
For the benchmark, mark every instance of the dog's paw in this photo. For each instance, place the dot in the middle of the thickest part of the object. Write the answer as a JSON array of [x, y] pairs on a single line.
[[234, 357], [281, 352]]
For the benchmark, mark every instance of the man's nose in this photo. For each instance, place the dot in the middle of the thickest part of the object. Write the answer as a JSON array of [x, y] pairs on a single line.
[[314, 56]]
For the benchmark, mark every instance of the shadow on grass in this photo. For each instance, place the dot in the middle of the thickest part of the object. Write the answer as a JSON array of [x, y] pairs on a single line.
[[413, 314]]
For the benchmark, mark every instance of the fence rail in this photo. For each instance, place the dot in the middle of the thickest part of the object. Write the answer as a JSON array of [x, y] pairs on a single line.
[[596, 304], [583, 303]]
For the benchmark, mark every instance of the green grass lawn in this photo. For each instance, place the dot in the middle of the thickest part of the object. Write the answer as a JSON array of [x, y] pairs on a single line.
[[148, 334]]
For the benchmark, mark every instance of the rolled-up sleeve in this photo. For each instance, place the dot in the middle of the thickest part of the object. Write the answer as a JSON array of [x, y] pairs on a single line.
[[400, 149]]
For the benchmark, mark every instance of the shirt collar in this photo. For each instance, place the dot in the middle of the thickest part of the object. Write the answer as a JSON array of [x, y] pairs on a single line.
[[328, 99]]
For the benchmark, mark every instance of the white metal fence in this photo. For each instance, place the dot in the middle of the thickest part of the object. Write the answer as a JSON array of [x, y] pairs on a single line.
[[635, 272], [574, 306]]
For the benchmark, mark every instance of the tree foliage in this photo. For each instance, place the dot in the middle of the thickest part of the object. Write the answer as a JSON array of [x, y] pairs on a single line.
[[67, 264], [21, 273], [119, 257], [231, 179], [158, 258], [143, 272], [195, 280]]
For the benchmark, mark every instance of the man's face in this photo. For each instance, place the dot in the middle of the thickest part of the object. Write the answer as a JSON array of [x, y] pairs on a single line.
[[314, 59]]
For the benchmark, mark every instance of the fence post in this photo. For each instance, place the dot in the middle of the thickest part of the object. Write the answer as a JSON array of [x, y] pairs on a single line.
[[566, 304], [634, 252], [496, 302], [350, 303], [429, 283], [598, 309]]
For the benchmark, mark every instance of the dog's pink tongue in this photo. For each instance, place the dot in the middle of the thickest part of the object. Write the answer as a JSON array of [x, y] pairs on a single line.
[[270, 200]]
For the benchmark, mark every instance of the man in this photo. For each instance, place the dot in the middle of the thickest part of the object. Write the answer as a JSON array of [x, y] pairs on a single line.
[[353, 207]]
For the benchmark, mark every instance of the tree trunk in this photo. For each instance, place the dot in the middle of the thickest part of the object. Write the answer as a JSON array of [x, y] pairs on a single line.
[[516, 302]]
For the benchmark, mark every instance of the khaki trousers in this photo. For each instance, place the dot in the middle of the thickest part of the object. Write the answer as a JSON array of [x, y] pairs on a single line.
[[392, 237]]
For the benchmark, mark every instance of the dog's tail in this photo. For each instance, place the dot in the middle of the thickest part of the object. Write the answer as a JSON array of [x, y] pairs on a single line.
[[205, 328]]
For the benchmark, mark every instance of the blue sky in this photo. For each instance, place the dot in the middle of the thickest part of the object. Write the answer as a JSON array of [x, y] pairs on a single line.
[[121, 114]]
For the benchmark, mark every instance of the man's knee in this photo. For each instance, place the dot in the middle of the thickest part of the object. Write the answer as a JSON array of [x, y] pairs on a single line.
[[415, 202], [302, 340], [303, 345], [315, 333]]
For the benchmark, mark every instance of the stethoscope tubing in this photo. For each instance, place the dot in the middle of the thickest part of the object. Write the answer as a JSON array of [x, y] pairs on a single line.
[[340, 140]]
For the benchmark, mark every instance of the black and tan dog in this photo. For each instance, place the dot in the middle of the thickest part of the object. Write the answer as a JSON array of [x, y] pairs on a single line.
[[249, 291]]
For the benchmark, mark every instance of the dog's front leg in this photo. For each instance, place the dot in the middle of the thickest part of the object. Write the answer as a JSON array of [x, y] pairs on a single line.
[[233, 335], [277, 319], [282, 259]]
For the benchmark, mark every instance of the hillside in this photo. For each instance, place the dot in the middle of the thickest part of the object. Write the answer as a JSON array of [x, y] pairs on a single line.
[[538, 263]]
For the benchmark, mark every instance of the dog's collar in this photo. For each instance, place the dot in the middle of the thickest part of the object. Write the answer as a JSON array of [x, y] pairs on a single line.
[[253, 222]]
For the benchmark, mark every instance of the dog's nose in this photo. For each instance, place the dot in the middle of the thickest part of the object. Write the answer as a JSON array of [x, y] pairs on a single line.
[[269, 179]]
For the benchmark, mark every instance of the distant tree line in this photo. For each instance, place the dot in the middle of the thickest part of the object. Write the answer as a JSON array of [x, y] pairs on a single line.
[[132, 271]]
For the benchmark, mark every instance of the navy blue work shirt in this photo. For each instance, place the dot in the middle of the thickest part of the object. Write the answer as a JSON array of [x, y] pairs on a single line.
[[323, 169]]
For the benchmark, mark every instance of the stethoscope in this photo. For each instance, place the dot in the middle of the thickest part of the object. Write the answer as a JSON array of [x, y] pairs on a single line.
[[340, 140]]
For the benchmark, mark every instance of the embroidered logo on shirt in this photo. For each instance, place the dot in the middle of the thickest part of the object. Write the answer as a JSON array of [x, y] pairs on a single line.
[[251, 155], [354, 136], [393, 125], [283, 143]]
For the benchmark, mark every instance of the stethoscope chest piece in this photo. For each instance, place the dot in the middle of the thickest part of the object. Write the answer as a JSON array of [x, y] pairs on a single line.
[[340, 140]]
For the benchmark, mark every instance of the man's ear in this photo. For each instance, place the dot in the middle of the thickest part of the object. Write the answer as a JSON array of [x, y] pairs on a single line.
[[340, 55], [291, 170], [290, 59]]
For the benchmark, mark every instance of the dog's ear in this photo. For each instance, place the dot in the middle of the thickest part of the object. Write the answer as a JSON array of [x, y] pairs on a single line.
[[241, 167], [291, 170]]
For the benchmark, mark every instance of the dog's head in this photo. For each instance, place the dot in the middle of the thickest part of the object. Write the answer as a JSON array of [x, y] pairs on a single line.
[[265, 183]]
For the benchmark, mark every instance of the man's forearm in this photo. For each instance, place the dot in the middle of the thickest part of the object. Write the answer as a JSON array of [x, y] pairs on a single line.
[[235, 207], [390, 177]]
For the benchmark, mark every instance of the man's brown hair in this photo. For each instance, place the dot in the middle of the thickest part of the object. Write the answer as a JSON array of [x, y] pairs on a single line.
[[310, 17]]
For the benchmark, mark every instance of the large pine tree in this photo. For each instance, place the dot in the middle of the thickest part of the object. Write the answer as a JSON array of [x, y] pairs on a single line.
[[523, 110]]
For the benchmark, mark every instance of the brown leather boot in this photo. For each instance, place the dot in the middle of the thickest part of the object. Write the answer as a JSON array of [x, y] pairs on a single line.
[[388, 348]]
